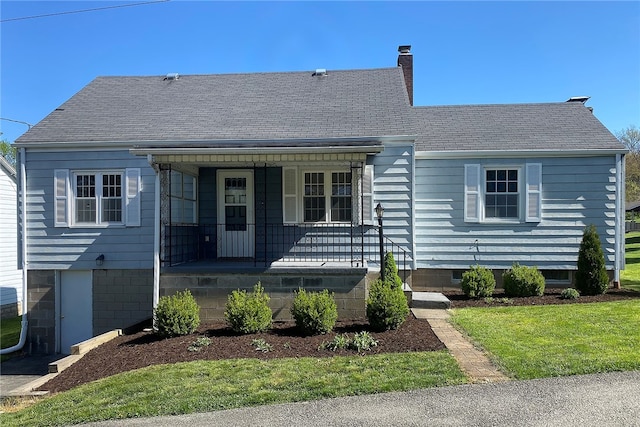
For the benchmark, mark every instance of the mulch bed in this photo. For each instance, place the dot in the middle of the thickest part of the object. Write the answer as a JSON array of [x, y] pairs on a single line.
[[143, 349]]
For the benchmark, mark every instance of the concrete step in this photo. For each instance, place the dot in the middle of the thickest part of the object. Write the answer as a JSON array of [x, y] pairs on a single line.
[[429, 300]]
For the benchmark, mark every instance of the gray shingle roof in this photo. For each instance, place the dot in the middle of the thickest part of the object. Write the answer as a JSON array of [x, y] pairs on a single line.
[[352, 103], [548, 126]]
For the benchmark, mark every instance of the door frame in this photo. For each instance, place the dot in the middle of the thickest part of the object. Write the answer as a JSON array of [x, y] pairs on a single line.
[[87, 305], [248, 239]]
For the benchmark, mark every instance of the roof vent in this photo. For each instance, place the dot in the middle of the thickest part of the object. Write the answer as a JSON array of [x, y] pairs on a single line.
[[172, 76], [582, 99], [321, 72]]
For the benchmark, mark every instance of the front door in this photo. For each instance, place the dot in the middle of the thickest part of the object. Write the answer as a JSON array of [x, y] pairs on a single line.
[[76, 315], [236, 227]]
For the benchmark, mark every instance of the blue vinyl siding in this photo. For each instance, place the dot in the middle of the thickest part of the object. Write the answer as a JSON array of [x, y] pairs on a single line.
[[576, 192], [77, 247]]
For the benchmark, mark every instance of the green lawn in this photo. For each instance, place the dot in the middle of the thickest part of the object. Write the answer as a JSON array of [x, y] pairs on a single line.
[[214, 385], [630, 276], [9, 334], [555, 340]]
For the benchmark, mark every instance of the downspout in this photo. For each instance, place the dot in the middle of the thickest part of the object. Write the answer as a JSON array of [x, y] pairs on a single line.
[[619, 243], [23, 224], [156, 235]]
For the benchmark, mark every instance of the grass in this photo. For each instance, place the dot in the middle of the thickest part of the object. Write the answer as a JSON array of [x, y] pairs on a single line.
[[214, 385], [9, 334], [630, 276], [555, 340]]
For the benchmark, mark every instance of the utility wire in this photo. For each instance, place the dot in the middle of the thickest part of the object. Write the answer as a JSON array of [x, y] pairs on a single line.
[[81, 11]]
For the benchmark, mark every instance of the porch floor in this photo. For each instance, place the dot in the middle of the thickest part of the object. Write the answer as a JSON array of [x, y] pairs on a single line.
[[250, 266]]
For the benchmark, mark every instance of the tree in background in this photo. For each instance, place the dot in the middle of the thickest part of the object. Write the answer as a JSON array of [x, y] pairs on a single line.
[[630, 137], [8, 151]]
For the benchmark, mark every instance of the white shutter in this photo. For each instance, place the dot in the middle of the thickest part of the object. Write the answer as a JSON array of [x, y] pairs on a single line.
[[132, 185], [533, 188], [367, 195], [61, 195], [290, 195], [472, 202]]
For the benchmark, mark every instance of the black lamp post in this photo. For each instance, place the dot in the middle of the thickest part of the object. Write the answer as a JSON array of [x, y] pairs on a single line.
[[379, 213]]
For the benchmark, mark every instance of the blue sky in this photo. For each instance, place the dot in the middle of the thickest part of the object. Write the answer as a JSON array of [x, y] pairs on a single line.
[[464, 52]]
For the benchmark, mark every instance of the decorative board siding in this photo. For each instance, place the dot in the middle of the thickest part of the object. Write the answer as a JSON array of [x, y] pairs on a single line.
[[576, 192], [10, 275], [77, 247], [393, 182]]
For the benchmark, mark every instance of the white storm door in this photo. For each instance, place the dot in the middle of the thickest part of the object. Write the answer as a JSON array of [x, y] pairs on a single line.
[[236, 225], [76, 308]]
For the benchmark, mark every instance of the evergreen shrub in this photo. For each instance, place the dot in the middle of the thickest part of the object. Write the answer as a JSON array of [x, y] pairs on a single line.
[[478, 282], [523, 281], [248, 313], [314, 312], [176, 315], [591, 277]]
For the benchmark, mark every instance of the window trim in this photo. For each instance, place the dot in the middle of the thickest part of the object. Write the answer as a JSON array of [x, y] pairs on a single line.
[[99, 174], [295, 191], [530, 191], [64, 198], [483, 194]]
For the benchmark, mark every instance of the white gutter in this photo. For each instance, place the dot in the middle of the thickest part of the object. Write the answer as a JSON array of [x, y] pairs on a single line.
[[23, 193], [475, 154]]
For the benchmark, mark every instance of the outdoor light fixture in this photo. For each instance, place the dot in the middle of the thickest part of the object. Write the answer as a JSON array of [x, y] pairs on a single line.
[[100, 260], [379, 213]]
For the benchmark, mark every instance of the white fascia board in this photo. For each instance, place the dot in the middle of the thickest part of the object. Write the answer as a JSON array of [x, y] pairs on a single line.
[[516, 153], [253, 150]]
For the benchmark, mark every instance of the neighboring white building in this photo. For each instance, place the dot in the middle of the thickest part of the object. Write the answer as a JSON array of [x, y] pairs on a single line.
[[10, 275]]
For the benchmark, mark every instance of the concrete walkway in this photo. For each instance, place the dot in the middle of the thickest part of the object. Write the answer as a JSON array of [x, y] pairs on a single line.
[[472, 361]]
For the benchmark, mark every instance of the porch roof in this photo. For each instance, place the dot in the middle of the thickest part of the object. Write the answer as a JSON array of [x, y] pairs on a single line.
[[326, 150]]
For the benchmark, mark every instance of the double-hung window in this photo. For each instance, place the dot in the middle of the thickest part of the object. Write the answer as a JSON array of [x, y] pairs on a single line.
[[327, 196], [503, 193], [98, 198], [87, 198]]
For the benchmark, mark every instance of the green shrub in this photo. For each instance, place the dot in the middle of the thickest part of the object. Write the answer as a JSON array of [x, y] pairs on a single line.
[[523, 281], [314, 312], [569, 293], [387, 307], [248, 313], [176, 315], [391, 270], [591, 277], [478, 282]]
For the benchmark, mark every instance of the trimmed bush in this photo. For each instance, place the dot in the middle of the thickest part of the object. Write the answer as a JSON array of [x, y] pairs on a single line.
[[523, 281], [176, 315], [391, 270], [591, 277], [569, 293], [314, 312], [248, 313], [478, 282], [387, 307]]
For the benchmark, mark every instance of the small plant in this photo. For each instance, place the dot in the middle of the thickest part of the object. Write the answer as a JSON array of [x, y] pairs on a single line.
[[387, 307], [339, 342], [314, 312], [569, 293], [478, 282], [523, 281], [363, 341], [591, 277], [287, 345], [198, 344], [505, 301], [261, 345], [248, 313], [176, 315]]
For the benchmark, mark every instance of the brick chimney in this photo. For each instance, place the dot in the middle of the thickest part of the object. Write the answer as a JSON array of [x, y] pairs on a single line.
[[405, 60]]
